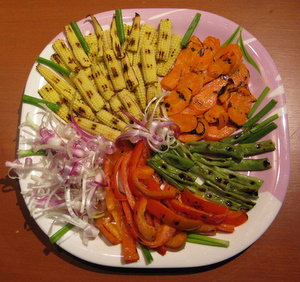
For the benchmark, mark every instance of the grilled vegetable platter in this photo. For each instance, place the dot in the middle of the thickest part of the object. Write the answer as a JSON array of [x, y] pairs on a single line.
[[153, 138]]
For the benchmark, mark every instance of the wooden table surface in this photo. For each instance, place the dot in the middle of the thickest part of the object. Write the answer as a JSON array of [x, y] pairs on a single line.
[[25, 252]]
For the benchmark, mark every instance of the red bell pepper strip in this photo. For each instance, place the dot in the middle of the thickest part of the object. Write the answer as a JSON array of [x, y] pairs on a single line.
[[191, 212], [145, 172], [171, 218], [196, 201], [225, 227], [124, 179]]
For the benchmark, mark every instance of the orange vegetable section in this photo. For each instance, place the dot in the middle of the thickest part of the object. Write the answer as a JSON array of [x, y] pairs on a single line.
[[208, 84], [143, 209]]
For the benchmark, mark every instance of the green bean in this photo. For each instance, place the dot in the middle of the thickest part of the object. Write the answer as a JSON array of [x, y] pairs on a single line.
[[256, 148], [216, 148], [213, 161], [251, 165]]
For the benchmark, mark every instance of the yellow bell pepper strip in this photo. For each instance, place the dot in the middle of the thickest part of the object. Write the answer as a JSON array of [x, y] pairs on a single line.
[[143, 173], [169, 217], [109, 230], [177, 241], [196, 201], [144, 228]]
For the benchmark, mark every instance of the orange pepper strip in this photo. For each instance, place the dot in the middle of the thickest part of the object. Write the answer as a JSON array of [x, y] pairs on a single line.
[[145, 172], [196, 201], [163, 232], [236, 218], [191, 212], [129, 246], [144, 228], [171, 218], [124, 179]]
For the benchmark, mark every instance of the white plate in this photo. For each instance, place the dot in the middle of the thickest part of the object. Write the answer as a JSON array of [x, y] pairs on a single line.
[[276, 179]]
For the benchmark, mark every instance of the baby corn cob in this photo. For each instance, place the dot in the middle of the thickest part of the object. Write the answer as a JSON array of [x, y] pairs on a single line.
[[129, 74], [92, 42], [102, 83], [77, 49], [66, 55], [96, 128], [130, 104], [114, 70], [99, 34], [164, 39], [148, 64], [110, 120], [117, 108], [134, 37], [57, 59], [49, 94], [115, 41], [163, 67], [87, 90], [66, 91], [106, 40], [152, 91], [147, 34], [140, 90]]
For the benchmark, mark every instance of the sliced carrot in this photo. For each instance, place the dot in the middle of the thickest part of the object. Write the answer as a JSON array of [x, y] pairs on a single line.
[[216, 134], [177, 100], [223, 119], [185, 122], [189, 137], [208, 96], [214, 113], [238, 108], [241, 76], [191, 80], [210, 47]]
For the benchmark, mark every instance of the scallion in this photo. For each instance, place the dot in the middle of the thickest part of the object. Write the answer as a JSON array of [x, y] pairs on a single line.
[[36, 101], [30, 152], [205, 240], [62, 231], [147, 253], [258, 101], [246, 54], [80, 37], [232, 37], [53, 65], [120, 25], [190, 30], [260, 114]]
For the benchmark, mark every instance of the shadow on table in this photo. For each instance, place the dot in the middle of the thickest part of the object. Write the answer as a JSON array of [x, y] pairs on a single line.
[[10, 185]]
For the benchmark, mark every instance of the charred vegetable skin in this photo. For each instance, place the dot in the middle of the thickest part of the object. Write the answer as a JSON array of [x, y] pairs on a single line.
[[182, 166]]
